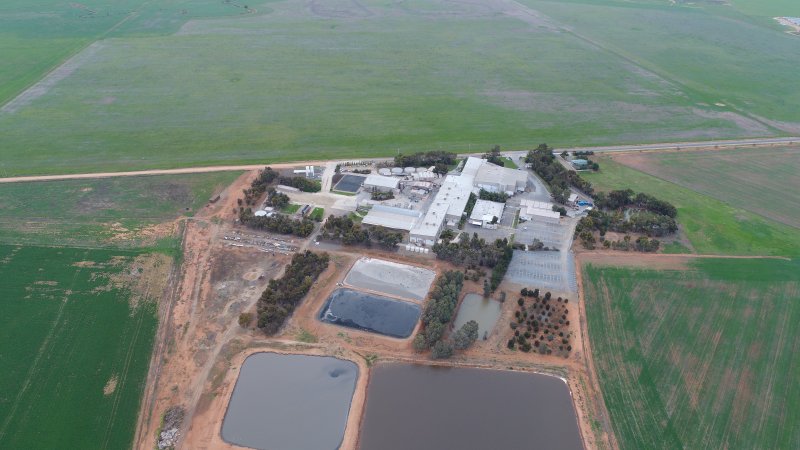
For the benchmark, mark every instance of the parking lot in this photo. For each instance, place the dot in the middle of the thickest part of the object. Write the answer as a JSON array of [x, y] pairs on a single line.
[[550, 234], [543, 270]]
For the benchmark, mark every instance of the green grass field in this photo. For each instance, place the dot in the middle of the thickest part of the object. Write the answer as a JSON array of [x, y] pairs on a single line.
[[343, 79], [83, 212], [761, 181], [700, 358], [65, 340], [712, 226], [317, 214]]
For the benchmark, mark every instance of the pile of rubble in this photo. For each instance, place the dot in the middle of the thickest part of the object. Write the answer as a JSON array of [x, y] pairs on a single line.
[[169, 435]]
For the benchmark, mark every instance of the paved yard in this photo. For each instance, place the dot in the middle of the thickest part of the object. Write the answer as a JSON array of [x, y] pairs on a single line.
[[543, 270]]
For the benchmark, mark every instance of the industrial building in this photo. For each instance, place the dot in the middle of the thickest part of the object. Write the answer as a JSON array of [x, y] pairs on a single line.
[[380, 183], [392, 217], [500, 179], [486, 214], [538, 211], [426, 231]]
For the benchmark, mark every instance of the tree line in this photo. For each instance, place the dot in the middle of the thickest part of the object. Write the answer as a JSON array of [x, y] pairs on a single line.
[[558, 178], [259, 185], [282, 295], [499, 197], [476, 252], [277, 223], [627, 198], [436, 158], [348, 232], [439, 312], [302, 183]]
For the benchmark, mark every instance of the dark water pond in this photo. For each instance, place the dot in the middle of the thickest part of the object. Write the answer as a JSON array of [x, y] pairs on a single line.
[[423, 407], [370, 312], [290, 402]]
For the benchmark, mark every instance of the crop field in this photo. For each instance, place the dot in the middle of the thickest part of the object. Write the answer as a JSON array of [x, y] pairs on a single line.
[[765, 182], [742, 65], [37, 36], [112, 211], [704, 356], [76, 334], [200, 83], [712, 226]]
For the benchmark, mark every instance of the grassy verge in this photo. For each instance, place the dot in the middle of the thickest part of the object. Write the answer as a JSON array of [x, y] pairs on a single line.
[[509, 163], [290, 208], [317, 214]]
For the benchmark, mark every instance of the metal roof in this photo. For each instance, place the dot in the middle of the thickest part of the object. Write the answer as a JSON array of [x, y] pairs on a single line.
[[392, 217]]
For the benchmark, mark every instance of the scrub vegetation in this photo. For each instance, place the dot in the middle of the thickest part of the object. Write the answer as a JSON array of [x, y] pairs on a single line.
[[701, 357]]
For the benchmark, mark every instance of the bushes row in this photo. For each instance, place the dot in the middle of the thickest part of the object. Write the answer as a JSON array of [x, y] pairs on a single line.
[[281, 297], [499, 197]]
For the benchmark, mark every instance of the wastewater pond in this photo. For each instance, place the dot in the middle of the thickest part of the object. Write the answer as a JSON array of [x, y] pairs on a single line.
[[475, 307], [424, 407], [369, 312], [279, 399]]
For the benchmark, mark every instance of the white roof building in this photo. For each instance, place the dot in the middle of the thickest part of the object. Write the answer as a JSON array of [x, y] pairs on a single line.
[[471, 166], [392, 217], [500, 179], [426, 231], [484, 212], [538, 211], [380, 183]]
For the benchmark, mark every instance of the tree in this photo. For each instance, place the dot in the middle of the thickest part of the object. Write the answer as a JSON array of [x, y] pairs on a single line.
[[466, 335], [442, 350], [420, 344], [433, 333], [493, 156], [245, 319], [440, 169], [487, 290]]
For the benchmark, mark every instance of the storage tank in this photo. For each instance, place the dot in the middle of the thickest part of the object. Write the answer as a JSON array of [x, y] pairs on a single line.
[[385, 172], [397, 171]]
